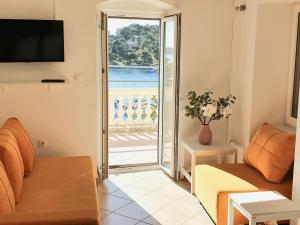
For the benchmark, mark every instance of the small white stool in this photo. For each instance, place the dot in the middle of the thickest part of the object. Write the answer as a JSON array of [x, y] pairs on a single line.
[[262, 207]]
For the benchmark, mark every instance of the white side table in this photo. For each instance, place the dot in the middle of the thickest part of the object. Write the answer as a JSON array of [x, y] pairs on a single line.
[[262, 207], [191, 150]]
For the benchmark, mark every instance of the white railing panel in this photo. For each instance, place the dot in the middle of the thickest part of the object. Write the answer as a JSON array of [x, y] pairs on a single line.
[[135, 108]]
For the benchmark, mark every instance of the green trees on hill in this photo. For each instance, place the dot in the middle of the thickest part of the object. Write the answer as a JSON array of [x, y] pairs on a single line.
[[135, 45]]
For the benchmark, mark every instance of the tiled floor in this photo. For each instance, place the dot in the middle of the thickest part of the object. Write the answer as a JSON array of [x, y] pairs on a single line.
[[151, 197]]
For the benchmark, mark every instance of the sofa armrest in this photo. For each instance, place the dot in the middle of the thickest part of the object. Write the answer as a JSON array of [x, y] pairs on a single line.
[[52, 218]]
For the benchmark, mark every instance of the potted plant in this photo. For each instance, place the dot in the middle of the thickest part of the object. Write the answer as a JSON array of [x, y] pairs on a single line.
[[207, 109]]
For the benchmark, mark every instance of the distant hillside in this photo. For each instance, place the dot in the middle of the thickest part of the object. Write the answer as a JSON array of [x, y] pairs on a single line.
[[135, 45]]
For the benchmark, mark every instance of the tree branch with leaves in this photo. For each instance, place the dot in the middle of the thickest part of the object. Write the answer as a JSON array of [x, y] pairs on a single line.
[[207, 109]]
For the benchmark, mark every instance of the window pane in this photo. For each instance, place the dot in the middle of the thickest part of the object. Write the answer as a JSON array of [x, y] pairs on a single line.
[[168, 93], [296, 76]]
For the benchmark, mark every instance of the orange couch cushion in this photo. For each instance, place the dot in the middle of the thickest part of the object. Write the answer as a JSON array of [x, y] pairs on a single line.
[[61, 188], [7, 198], [24, 143], [271, 151], [12, 161], [251, 175]]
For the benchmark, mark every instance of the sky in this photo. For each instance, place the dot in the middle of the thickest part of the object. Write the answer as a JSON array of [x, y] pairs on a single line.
[[114, 24]]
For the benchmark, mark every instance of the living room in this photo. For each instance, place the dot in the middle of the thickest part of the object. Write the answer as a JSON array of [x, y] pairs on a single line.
[[246, 49]]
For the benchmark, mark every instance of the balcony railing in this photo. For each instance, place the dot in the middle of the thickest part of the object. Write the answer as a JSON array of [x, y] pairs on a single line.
[[133, 108]]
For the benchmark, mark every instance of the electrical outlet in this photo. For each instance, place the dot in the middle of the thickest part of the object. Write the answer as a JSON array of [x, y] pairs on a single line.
[[42, 143], [235, 142]]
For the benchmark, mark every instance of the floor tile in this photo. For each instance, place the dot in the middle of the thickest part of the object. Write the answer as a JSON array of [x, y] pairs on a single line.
[[122, 180], [115, 219], [151, 220], [156, 199], [188, 206], [134, 211], [172, 190], [149, 184], [103, 213], [160, 176], [107, 187], [131, 192], [201, 218], [122, 194], [150, 208], [112, 203], [171, 215]]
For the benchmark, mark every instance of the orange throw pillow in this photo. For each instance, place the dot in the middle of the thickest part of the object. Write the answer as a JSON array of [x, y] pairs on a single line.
[[7, 198], [24, 143], [272, 152], [12, 161]]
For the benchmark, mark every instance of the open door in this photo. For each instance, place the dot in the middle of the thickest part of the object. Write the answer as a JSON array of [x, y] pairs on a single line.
[[169, 94], [104, 79]]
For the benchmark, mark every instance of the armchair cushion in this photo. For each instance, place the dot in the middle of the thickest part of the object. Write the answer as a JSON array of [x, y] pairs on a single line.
[[271, 151]]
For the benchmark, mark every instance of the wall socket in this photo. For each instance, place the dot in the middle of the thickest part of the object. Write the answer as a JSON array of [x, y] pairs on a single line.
[[42, 143], [236, 142]]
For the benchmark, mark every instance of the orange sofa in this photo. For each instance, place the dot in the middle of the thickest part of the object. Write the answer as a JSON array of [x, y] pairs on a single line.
[[268, 159], [59, 191], [213, 194]]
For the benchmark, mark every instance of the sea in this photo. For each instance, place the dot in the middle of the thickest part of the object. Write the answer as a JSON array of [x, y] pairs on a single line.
[[133, 77]]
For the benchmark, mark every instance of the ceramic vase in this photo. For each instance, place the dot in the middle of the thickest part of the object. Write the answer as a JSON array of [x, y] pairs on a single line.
[[205, 136]]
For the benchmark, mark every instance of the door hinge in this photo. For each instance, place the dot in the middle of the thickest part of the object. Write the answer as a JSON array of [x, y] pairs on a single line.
[[103, 70]]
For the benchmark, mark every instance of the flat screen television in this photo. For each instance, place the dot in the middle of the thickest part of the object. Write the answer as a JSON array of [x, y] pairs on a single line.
[[31, 41]]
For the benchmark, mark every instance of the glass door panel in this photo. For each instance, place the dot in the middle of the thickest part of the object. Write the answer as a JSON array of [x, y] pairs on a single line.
[[169, 93]]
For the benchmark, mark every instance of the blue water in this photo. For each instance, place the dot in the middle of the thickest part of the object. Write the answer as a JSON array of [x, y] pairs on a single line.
[[133, 74]]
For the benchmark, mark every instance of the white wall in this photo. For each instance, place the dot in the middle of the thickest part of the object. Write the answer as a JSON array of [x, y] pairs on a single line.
[[271, 68], [67, 115], [206, 53], [71, 129], [240, 81], [260, 68]]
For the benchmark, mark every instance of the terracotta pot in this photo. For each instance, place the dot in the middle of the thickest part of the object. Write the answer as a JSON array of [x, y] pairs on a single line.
[[205, 136]]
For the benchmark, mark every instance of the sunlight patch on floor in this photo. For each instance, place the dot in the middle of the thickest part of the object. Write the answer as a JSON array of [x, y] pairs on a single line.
[[149, 198]]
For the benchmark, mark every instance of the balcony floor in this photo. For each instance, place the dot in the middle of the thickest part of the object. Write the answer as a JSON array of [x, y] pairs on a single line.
[[132, 148]]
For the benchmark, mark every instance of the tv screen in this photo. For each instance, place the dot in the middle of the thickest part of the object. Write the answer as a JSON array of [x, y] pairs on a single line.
[[31, 41]]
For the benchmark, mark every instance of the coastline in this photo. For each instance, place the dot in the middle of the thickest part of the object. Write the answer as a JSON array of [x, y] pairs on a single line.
[[134, 67]]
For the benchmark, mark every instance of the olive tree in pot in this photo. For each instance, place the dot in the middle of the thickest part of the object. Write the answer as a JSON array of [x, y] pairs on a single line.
[[207, 109]]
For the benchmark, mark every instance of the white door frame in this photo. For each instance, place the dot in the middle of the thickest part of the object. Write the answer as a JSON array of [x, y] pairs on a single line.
[[104, 160], [173, 170]]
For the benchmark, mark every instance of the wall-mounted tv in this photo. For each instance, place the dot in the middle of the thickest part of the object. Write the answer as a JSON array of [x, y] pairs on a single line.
[[31, 41]]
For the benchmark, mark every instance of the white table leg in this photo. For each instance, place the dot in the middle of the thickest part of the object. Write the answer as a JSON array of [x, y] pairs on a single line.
[[193, 165], [230, 212]]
